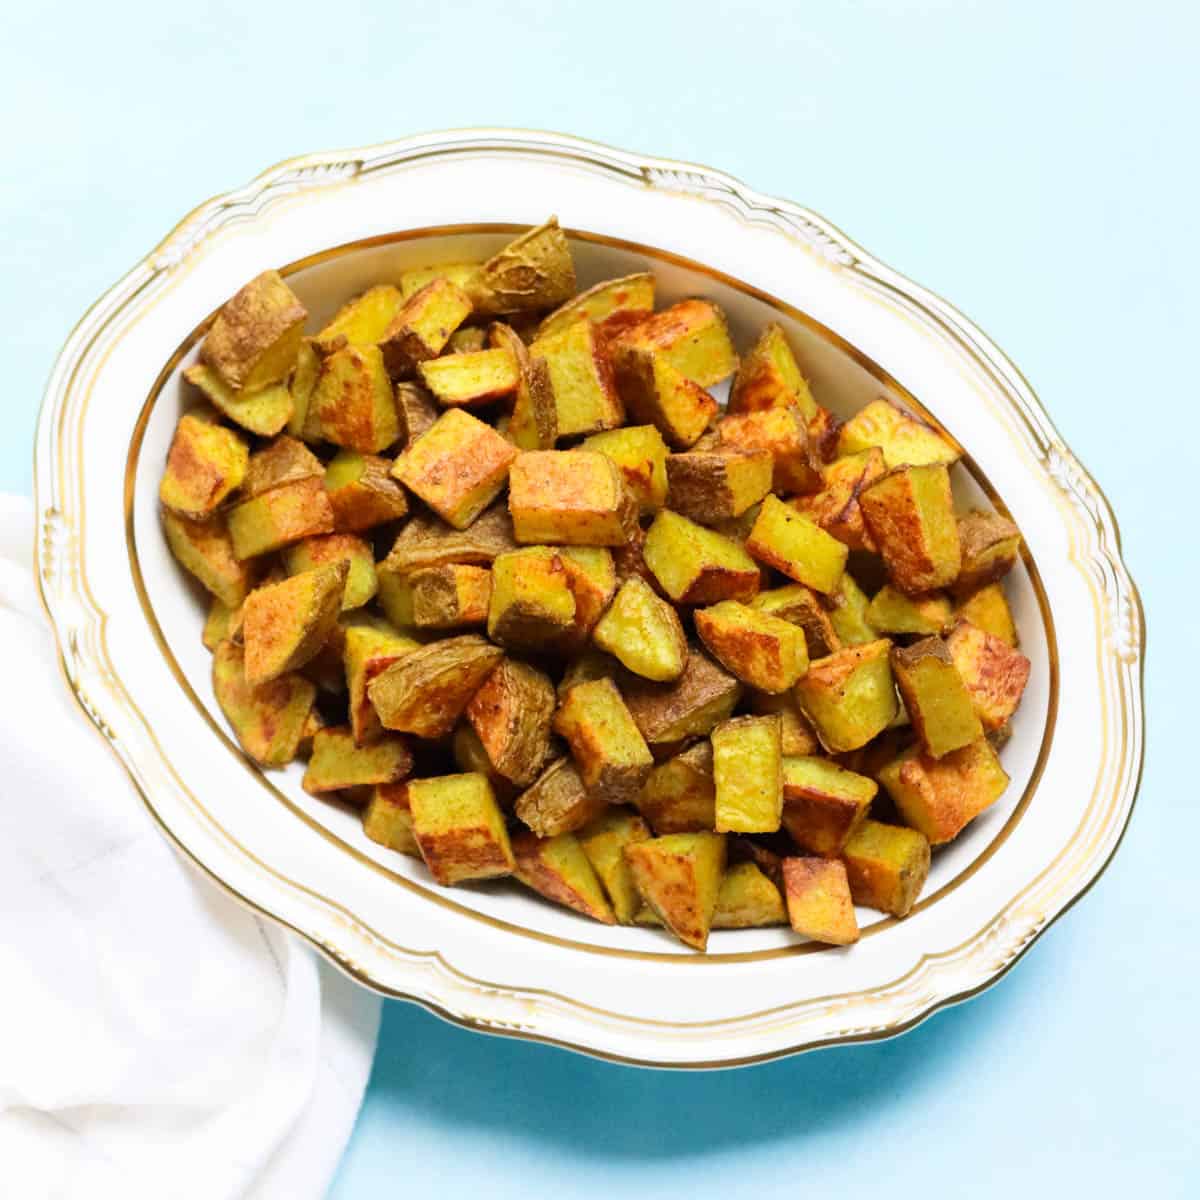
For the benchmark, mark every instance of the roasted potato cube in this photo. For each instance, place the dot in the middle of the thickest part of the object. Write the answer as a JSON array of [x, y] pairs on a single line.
[[764, 651], [426, 541], [680, 795], [470, 756], [708, 487], [285, 624], [891, 611], [935, 697], [993, 673], [848, 613], [941, 796], [284, 460], [301, 387], [362, 321], [611, 755], [416, 411], [558, 869], [279, 517], [910, 514], [204, 549], [387, 819], [362, 492], [690, 707], [769, 377], [425, 691], [798, 604], [586, 399], [590, 663], [222, 622], [747, 900], [819, 905], [784, 435], [532, 605], [694, 565], [459, 828], [450, 596], [254, 339], [887, 866], [835, 506], [420, 329], [747, 771], [557, 801], [690, 336], [268, 720], [644, 632], [395, 595], [511, 713], [534, 272], [849, 696], [354, 400], [659, 394], [679, 876], [261, 410], [458, 467], [575, 497], [904, 440], [990, 545], [797, 736], [414, 279], [205, 463], [368, 649], [641, 456], [592, 578], [361, 583], [611, 306], [338, 762], [823, 804], [533, 424], [471, 380], [792, 543], [603, 841], [987, 609]]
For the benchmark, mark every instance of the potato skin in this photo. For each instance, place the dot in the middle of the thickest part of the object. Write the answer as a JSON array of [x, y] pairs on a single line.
[[692, 706], [557, 801], [511, 713], [886, 866], [255, 337], [608, 749], [534, 272]]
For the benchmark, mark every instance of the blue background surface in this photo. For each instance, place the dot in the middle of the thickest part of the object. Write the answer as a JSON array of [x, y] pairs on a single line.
[[1035, 162]]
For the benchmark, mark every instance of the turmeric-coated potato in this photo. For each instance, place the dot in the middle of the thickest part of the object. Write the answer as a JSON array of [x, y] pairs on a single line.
[[603, 840], [644, 632], [763, 651], [557, 801], [819, 904], [255, 337], [420, 328], [533, 273], [792, 543], [690, 336], [769, 377], [204, 464], [748, 773], [695, 565], [699, 699], [511, 713], [935, 697], [849, 695], [679, 877], [680, 795], [285, 624], [608, 749], [558, 868], [903, 440], [574, 497], [886, 866], [459, 828]]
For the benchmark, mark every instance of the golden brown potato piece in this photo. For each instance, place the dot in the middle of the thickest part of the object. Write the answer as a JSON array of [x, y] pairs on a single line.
[[425, 541], [903, 440], [532, 605], [204, 464], [420, 329], [798, 604], [558, 869], [603, 841], [910, 514], [747, 771], [641, 455], [680, 795], [747, 900], [993, 673], [557, 801], [387, 819], [459, 828], [849, 696], [426, 691], [592, 578], [769, 377], [766, 652], [783, 433], [792, 543], [470, 756], [701, 697], [458, 467], [533, 273], [221, 623], [300, 390], [283, 460], [644, 632], [934, 696], [586, 399], [818, 900], [279, 517], [848, 613], [361, 321], [450, 596], [988, 609], [679, 877], [835, 507], [415, 278], [690, 336], [611, 306], [657, 393], [285, 624], [511, 713], [471, 380], [338, 762], [361, 583], [611, 755], [990, 545], [823, 804], [361, 492], [255, 337], [264, 410], [575, 497], [354, 400], [708, 487], [891, 611], [886, 866], [205, 549], [797, 736], [534, 421], [695, 565], [368, 649]]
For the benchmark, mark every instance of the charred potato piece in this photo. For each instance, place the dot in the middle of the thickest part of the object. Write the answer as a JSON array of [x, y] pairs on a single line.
[[268, 720], [792, 543], [608, 749], [205, 550], [280, 517], [603, 841], [338, 762], [420, 329], [644, 632], [910, 514], [690, 707], [284, 460], [690, 336], [849, 696], [935, 696], [891, 611], [848, 607], [783, 433], [534, 272], [361, 492], [285, 624], [450, 596], [695, 565], [205, 463], [261, 410], [557, 801], [747, 900], [426, 541], [575, 497], [641, 456], [361, 583], [368, 649], [511, 713], [819, 904], [679, 877], [747, 771], [592, 578], [769, 377], [459, 828], [886, 866], [532, 606], [990, 545], [835, 506], [387, 819], [471, 380], [823, 804], [987, 609], [657, 393], [255, 337], [611, 306], [766, 652], [558, 869], [586, 399], [680, 794], [361, 321], [707, 487], [903, 440], [533, 424], [993, 673], [798, 604]]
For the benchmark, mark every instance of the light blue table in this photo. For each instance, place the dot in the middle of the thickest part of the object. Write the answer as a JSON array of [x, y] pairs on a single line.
[[1034, 162]]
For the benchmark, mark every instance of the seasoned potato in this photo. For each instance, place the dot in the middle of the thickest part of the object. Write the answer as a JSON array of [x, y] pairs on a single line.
[[782, 432], [471, 380], [361, 321], [708, 487], [937, 701], [205, 549], [603, 840], [283, 460], [641, 456], [819, 905], [680, 795], [338, 762], [690, 336], [586, 399], [823, 804], [848, 607], [657, 393], [261, 410], [747, 900], [747, 771], [387, 819], [849, 696], [990, 545], [694, 565], [835, 506], [533, 424], [534, 272], [903, 440], [558, 802], [611, 306], [450, 596], [576, 497], [588, 664], [361, 583], [993, 673], [987, 609], [886, 866], [798, 604], [300, 391], [421, 327], [511, 713], [285, 624], [368, 649], [457, 467], [361, 492], [222, 622], [701, 697], [459, 828], [891, 611], [558, 868], [592, 578], [268, 720], [792, 543], [354, 400], [644, 632], [255, 337], [608, 749], [679, 877], [279, 517], [532, 606], [769, 377], [797, 736], [415, 278], [204, 464], [763, 651], [426, 541]]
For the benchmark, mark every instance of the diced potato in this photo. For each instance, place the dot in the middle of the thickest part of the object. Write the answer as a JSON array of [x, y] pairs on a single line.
[[458, 467], [823, 804], [993, 673], [797, 736], [534, 272], [414, 279], [581, 376], [762, 650], [603, 841], [679, 876], [769, 377], [222, 622], [747, 771], [611, 755], [205, 463], [611, 305], [575, 497], [798, 604], [471, 380], [819, 905], [835, 506], [558, 869], [459, 828], [783, 433], [269, 719], [285, 624], [533, 424], [987, 609], [848, 613], [708, 487], [695, 565], [657, 393], [644, 632], [361, 583], [641, 455], [354, 400], [849, 695], [990, 545], [416, 411], [284, 460], [910, 514], [361, 321], [557, 801], [300, 388], [891, 611], [792, 543], [592, 578], [254, 339], [395, 595], [511, 713], [362, 492], [426, 541], [279, 517], [262, 410], [205, 549], [903, 440], [420, 329], [469, 754], [532, 606], [680, 794], [450, 596], [690, 336], [747, 900], [426, 691], [338, 762], [941, 796], [589, 664], [886, 866], [690, 707], [935, 696], [387, 819], [369, 648]]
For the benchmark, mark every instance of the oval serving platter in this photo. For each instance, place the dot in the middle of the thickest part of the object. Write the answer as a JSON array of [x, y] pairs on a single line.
[[495, 958]]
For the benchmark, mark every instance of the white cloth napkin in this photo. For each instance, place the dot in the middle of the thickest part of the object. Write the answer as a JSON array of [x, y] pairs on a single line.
[[156, 1039]]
